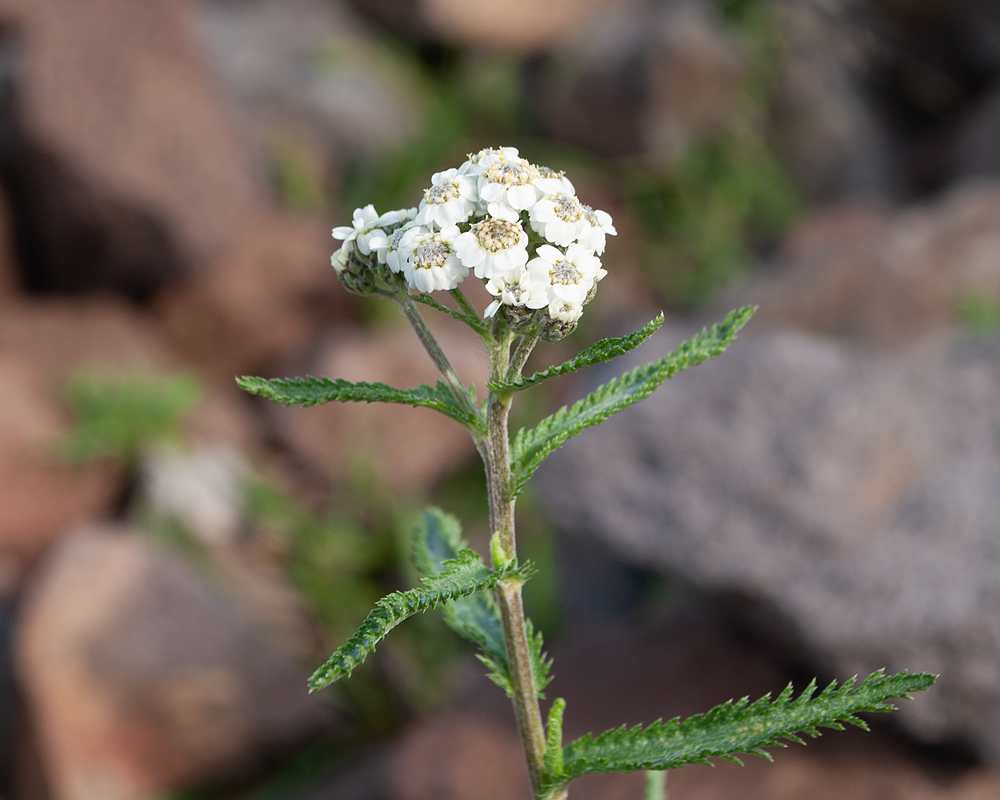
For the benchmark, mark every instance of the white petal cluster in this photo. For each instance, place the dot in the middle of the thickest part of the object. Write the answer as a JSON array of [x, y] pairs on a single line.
[[517, 226]]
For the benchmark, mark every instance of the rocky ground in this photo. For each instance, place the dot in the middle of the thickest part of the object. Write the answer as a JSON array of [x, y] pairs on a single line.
[[821, 500]]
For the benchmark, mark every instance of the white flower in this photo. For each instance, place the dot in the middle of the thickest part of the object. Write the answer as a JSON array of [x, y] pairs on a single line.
[[477, 163], [570, 276], [397, 217], [559, 218], [450, 200], [366, 222], [339, 258], [565, 310], [432, 264], [506, 185], [493, 247], [594, 234], [516, 288], [551, 182], [381, 243], [386, 247]]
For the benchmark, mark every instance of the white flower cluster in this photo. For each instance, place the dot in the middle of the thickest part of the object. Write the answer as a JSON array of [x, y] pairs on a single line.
[[517, 226]]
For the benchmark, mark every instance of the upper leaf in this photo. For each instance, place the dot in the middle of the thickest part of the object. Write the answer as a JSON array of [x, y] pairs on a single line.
[[460, 577], [437, 539], [738, 727], [597, 353], [530, 447], [310, 391]]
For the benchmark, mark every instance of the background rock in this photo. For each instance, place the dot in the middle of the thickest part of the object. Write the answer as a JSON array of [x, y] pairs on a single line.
[[307, 65], [839, 496], [143, 681], [641, 82], [262, 301], [412, 447], [870, 274], [116, 94]]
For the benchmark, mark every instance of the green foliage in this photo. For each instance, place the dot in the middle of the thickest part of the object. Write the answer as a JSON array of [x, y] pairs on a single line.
[[738, 727], [118, 416], [598, 353], [656, 784], [981, 314], [295, 176], [530, 447], [554, 739], [437, 542], [331, 559], [310, 391], [460, 577]]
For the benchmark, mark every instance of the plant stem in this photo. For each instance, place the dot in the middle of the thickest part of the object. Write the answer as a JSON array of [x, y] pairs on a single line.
[[501, 498], [412, 314]]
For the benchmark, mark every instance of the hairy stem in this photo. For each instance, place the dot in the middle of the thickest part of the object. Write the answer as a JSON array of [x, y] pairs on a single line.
[[412, 314], [501, 497]]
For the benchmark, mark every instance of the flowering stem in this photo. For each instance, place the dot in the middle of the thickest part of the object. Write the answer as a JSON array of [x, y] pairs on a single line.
[[412, 314], [468, 309], [500, 489]]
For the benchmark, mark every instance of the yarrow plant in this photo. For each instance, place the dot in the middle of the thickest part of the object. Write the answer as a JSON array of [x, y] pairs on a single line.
[[520, 229]]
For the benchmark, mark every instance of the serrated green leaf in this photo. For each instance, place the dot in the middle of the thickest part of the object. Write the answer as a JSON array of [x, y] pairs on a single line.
[[311, 391], [460, 577], [437, 539], [530, 447], [553, 740], [738, 727], [597, 353]]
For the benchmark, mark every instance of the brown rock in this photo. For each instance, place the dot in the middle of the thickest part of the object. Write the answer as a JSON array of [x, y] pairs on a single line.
[[514, 25], [643, 82], [118, 92], [58, 337], [414, 447], [39, 495], [41, 345], [143, 681], [457, 757], [8, 266], [264, 300], [864, 272]]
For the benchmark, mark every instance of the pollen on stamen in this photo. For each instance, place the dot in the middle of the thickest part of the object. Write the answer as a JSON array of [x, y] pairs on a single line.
[[497, 234]]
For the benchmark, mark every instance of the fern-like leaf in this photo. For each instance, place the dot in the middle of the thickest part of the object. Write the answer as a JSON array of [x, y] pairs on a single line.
[[311, 391], [531, 447], [459, 577], [438, 539], [597, 353], [738, 727]]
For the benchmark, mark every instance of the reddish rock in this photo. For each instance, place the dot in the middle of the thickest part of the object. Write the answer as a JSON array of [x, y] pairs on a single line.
[[58, 337], [262, 301], [458, 757], [117, 91], [413, 447], [143, 681], [512, 25], [39, 495], [867, 273]]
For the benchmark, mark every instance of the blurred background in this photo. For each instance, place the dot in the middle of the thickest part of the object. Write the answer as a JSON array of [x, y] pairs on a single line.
[[175, 557]]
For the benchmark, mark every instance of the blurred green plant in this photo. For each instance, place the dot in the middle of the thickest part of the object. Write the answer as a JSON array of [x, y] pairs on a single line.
[[295, 176], [117, 416], [332, 559], [981, 313], [704, 217]]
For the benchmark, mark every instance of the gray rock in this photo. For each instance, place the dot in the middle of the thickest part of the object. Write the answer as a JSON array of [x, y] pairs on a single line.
[[868, 273], [642, 81], [309, 65], [848, 497]]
